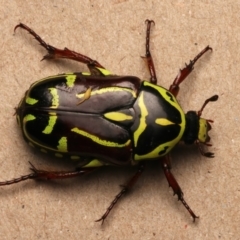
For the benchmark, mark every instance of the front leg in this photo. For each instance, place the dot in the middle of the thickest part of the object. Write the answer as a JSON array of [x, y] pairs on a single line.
[[174, 88]]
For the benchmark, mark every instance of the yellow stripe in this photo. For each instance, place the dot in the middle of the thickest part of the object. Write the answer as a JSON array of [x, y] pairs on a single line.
[[55, 97], [51, 122], [31, 101], [70, 80], [163, 122], [108, 89], [142, 124], [28, 117], [117, 116], [98, 140], [62, 147]]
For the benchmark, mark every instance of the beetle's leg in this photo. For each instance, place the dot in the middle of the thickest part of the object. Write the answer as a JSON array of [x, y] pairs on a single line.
[[174, 185], [125, 189], [54, 53], [183, 73], [148, 56], [48, 175]]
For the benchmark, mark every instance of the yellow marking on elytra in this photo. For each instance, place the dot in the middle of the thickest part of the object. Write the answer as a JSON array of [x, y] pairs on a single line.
[[104, 71], [52, 113], [62, 147], [49, 78], [86, 73], [94, 163], [202, 133], [117, 116], [86, 96], [43, 150], [51, 122], [98, 140], [70, 80], [55, 97], [58, 155], [31, 101], [29, 117], [108, 89], [142, 124], [75, 157], [33, 142], [163, 122]]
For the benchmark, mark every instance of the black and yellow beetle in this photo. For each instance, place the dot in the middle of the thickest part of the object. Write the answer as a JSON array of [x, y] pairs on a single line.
[[99, 119]]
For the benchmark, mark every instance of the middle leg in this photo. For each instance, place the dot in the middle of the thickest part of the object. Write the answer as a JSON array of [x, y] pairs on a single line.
[[166, 166]]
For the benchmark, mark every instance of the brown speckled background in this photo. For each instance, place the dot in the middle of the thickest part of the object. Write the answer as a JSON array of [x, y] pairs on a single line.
[[113, 32]]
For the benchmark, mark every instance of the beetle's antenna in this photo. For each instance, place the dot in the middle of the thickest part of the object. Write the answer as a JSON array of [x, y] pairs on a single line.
[[211, 99]]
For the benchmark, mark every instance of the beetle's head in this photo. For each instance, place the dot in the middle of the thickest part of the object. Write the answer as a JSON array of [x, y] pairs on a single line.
[[197, 128]]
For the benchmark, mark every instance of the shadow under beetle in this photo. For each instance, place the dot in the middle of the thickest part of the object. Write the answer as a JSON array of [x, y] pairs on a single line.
[[99, 119]]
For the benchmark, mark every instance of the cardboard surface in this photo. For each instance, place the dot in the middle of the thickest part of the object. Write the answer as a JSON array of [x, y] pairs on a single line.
[[113, 32]]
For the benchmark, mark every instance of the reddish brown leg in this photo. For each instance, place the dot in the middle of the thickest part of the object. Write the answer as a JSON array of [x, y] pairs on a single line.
[[48, 175], [125, 189], [148, 56], [174, 88], [54, 53], [166, 165]]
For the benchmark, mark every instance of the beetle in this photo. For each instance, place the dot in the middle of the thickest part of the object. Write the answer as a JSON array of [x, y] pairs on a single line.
[[97, 119]]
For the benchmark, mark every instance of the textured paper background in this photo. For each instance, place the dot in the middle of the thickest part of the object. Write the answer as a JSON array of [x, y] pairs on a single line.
[[113, 32]]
